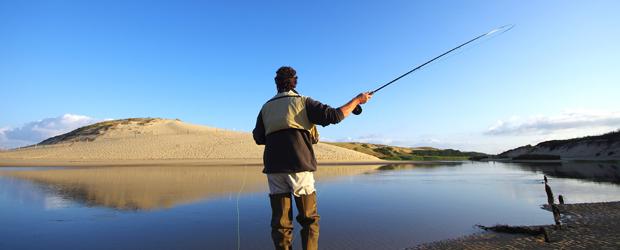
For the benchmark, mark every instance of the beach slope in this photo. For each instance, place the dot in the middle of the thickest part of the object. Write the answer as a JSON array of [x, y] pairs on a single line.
[[155, 140]]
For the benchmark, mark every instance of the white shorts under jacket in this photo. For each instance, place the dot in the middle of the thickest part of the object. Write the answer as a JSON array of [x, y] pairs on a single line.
[[301, 183]]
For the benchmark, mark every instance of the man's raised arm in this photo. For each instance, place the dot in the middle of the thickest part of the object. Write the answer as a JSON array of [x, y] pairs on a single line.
[[359, 99]]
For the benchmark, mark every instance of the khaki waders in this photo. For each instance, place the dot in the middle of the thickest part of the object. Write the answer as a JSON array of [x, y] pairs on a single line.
[[282, 220]]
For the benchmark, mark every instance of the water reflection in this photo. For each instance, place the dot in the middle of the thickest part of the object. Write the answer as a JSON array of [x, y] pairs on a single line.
[[148, 188], [584, 170], [421, 165], [361, 207]]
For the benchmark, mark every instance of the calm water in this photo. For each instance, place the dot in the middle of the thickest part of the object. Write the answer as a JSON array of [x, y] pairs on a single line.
[[361, 207]]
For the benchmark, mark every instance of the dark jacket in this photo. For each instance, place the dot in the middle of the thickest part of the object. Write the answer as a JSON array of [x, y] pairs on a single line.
[[290, 150]]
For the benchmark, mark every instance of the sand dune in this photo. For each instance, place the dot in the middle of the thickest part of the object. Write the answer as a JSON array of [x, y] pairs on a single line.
[[157, 139], [605, 147]]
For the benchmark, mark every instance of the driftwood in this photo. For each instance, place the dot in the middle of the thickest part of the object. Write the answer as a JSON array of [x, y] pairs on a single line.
[[513, 229], [517, 230]]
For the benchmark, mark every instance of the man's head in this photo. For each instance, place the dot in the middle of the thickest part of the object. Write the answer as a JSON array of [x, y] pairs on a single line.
[[286, 79]]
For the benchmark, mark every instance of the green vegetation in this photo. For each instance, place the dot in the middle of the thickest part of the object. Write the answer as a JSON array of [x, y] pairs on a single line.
[[386, 152]]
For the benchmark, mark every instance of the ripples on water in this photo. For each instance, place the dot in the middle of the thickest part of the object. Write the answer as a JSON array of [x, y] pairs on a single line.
[[361, 207]]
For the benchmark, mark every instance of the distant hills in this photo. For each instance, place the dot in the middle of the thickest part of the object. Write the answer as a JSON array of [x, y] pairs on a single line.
[[387, 152], [600, 147], [146, 139], [605, 147]]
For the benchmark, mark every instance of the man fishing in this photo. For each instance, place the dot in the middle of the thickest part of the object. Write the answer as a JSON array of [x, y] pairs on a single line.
[[286, 125]]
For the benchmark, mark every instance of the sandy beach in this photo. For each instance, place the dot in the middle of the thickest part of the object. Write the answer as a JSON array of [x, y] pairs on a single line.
[[159, 141], [584, 226]]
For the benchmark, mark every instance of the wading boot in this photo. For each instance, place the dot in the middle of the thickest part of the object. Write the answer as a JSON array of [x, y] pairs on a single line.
[[281, 221], [308, 217]]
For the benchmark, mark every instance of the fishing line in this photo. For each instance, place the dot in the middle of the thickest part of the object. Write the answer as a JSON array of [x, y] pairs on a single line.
[[474, 45], [497, 31], [238, 216]]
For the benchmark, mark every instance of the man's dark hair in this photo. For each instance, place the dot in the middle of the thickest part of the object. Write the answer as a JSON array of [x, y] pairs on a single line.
[[286, 79]]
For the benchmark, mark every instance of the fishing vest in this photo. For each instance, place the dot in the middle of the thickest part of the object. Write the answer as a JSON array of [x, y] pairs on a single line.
[[287, 110]]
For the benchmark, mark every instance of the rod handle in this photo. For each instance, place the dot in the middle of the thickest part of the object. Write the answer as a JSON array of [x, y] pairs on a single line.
[[357, 110]]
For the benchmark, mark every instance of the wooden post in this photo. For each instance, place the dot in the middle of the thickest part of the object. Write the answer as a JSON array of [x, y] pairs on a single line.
[[556, 214], [549, 194], [544, 233], [545, 179], [561, 199]]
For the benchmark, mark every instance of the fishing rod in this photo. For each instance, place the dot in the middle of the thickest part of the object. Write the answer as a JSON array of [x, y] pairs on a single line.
[[502, 29]]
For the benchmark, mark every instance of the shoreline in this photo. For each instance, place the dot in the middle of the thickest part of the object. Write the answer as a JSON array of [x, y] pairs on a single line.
[[550, 161], [189, 162], [239, 162], [584, 225]]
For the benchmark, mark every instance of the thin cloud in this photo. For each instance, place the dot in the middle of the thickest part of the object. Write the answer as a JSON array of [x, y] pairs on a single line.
[[371, 138], [37, 131], [543, 125]]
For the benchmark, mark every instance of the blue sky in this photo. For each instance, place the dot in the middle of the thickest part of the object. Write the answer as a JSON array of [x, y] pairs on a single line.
[[555, 75]]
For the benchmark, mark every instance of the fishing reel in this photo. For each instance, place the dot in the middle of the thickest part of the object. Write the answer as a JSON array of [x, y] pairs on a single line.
[[357, 110]]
